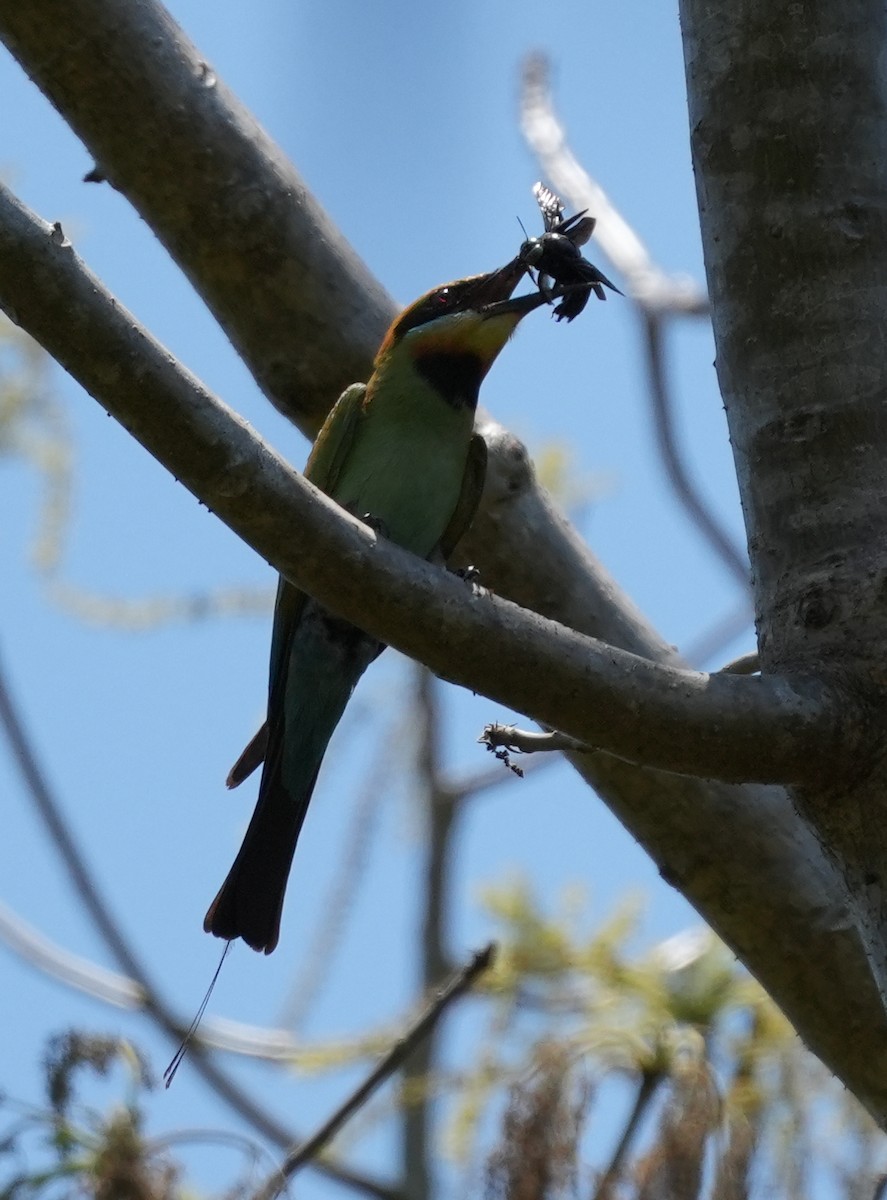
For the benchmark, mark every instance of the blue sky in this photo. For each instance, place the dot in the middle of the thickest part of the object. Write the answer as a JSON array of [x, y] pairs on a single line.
[[402, 119]]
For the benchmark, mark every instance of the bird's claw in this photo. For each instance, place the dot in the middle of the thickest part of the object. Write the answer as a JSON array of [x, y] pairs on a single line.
[[471, 576], [377, 525]]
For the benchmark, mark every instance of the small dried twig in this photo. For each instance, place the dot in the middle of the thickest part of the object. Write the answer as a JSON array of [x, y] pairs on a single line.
[[399, 1052], [504, 740], [647, 1088], [746, 664], [676, 470]]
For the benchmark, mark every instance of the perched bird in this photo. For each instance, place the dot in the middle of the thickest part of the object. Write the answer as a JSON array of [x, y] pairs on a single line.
[[400, 453], [557, 257]]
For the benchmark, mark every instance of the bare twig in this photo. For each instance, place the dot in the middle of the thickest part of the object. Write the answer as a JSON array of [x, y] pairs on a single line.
[[399, 1052], [656, 294], [524, 741], [217, 1033], [647, 1086], [662, 408], [439, 816], [72, 970], [544, 133], [746, 664], [264, 1044]]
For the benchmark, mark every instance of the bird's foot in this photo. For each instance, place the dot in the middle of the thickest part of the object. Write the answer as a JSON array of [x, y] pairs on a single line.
[[471, 576], [377, 525]]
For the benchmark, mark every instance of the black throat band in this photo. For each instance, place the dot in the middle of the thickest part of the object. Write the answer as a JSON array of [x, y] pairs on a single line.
[[456, 376]]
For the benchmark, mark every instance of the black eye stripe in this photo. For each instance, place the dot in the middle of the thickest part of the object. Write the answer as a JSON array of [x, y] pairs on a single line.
[[434, 305]]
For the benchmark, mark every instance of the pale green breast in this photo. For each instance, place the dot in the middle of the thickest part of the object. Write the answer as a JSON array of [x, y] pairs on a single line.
[[407, 461]]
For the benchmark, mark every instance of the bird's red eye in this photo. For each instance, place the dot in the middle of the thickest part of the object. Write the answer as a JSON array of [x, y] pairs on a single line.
[[443, 296]]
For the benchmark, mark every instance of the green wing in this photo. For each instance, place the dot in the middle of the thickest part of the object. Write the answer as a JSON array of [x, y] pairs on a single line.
[[469, 496], [328, 454], [336, 437], [324, 464]]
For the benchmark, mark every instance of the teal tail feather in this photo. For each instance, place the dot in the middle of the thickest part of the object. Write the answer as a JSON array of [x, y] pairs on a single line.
[[325, 659]]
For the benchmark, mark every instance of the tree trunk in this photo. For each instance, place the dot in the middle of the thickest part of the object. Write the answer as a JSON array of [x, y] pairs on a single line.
[[788, 119]]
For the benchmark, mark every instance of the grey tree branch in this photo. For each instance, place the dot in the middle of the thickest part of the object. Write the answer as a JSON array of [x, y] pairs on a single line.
[[244, 214], [440, 819], [758, 875], [773, 898], [544, 132], [530, 741], [657, 296], [723, 726], [388, 1064], [662, 409]]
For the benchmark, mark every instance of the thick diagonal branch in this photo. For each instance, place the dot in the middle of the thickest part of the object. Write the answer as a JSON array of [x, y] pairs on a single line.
[[721, 726], [218, 193]]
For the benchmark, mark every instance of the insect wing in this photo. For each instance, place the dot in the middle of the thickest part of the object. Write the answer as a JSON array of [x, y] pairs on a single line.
[[551, 207], [572, 304], [578, 228], [590, 273]]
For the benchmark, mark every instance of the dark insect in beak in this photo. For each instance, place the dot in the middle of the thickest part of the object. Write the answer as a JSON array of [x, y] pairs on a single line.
[[558, 261]]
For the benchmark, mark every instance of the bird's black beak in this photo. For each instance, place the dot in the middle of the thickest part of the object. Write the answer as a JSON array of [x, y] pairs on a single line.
[[495, 286], [491, 294], [519, 304]]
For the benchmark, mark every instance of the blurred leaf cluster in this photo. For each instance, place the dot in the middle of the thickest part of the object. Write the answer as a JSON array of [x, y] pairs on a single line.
[[87, 1152], [667, 1075], [33, 431]]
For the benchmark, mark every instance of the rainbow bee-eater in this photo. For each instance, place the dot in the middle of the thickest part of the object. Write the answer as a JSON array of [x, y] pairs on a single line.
[[400, 453]]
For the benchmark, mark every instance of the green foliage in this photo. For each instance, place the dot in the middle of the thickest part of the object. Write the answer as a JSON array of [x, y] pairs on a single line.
[[33, 430], [87, 1152], [722, 1099], [717, 1096]]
